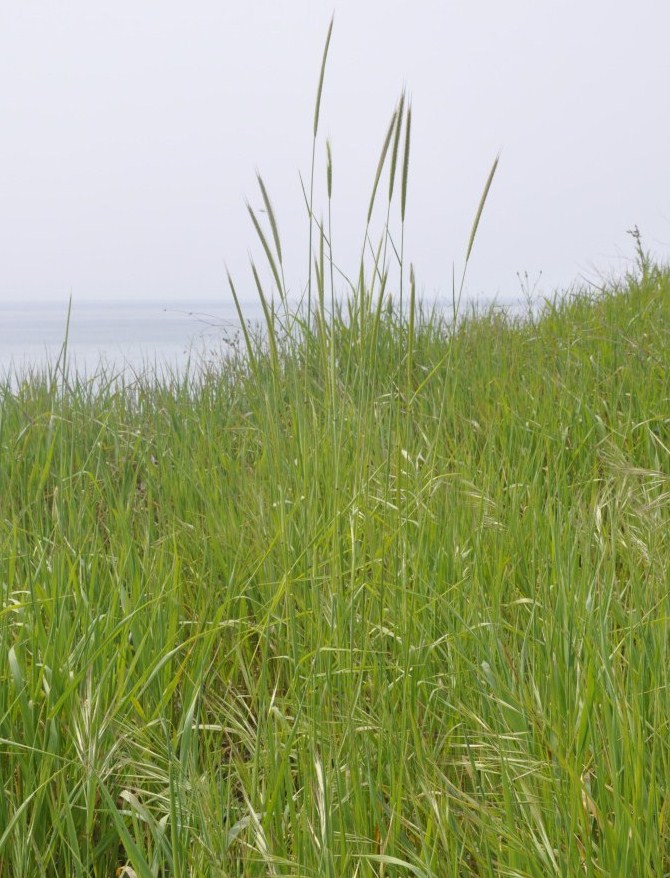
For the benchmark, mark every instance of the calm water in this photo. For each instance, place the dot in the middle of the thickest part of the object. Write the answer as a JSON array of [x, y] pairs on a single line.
[[124, 336]]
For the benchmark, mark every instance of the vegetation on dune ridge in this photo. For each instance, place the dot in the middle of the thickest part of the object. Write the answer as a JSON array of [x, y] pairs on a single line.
[[288, 622], [384, 595]]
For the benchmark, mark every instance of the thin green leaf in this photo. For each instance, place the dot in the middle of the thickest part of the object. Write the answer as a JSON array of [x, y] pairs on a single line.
[[140, 865], [268, 317], [243, 323]]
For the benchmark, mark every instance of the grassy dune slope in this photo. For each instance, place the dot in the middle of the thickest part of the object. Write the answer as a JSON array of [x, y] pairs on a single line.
[[384, 599]]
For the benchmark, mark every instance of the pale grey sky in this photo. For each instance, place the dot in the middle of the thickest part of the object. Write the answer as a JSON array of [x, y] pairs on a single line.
[[131, 132]]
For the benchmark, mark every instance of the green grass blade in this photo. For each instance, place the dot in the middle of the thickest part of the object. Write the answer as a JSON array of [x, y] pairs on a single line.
[[243, 323], [269, 321]]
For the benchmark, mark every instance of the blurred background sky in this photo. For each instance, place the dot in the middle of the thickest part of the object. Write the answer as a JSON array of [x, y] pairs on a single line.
[[131, 133]]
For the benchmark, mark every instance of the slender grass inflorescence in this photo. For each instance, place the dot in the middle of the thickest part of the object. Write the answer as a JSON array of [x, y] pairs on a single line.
[[386, 593], [315, 131]]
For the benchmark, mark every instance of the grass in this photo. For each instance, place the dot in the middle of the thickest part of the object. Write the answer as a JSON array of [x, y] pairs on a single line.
[[384, 595]]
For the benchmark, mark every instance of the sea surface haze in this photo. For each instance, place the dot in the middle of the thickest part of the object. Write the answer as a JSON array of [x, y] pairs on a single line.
[[122, 336]]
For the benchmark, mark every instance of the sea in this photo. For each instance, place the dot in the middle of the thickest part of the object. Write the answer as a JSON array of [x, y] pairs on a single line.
[[123, 338]]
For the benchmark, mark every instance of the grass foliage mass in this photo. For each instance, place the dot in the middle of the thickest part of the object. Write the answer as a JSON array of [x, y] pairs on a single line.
[[385, 594]]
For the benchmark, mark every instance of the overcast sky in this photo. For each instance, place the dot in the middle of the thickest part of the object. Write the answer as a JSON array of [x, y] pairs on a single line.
[[131, 132]]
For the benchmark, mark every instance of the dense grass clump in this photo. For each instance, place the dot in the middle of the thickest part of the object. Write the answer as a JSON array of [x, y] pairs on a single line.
[[383, 594], [387, 596]]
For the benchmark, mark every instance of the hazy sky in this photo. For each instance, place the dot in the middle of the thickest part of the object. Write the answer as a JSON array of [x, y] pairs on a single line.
[[131, 133]]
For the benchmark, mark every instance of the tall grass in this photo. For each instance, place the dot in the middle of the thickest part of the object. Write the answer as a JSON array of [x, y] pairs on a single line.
[[385, 595]]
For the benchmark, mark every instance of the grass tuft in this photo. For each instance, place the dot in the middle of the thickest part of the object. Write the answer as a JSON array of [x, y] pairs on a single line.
[[384, 594]]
